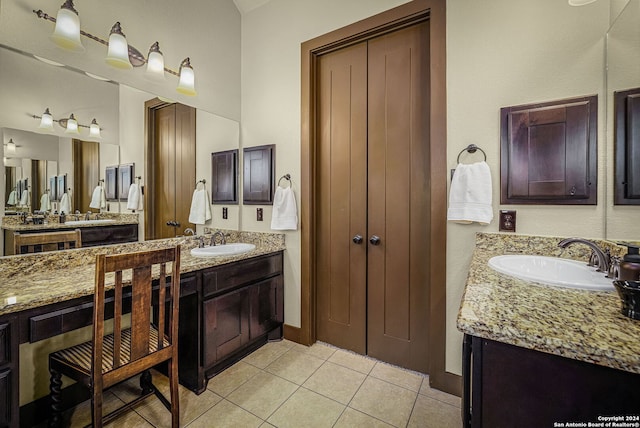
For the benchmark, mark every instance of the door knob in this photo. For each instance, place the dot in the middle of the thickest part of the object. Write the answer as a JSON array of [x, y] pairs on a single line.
[[357, 239], [375, 240], [169, 223]]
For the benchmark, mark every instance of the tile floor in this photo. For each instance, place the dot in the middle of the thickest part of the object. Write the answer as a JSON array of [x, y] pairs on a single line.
[[284, 384]]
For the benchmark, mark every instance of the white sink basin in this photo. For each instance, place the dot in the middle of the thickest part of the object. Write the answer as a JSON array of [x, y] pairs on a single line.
[[222, 250], [552, 271], [85, 222]]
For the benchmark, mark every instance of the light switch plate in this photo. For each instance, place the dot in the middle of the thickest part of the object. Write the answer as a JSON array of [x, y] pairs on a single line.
[[507, 221], [259, 214]]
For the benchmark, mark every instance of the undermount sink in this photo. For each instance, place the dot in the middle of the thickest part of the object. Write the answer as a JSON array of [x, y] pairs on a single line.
[[222, 250], [81, 222], [552, 271]]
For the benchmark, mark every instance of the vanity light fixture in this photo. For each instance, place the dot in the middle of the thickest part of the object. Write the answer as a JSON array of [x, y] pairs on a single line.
[[70, 124], [10, 146], [94, 129], [46, 121], [67, 31], [120, 54], [155, 62], [187, 79]]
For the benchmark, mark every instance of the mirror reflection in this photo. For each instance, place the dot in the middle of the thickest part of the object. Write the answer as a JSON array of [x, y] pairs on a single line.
[[622, 73]]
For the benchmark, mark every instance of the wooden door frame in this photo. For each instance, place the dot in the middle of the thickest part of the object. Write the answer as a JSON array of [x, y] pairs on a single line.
[[393, 19], [150, 108]]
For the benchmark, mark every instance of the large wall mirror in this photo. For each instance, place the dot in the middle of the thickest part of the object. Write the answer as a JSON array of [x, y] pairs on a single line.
[[622, 73], [28, 86]]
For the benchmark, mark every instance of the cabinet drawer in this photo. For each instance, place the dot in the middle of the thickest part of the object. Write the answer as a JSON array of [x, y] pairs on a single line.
[[5, 343], [239, 273], [188, 285]]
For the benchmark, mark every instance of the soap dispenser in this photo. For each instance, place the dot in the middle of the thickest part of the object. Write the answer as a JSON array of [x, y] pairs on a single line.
[[630, 264]]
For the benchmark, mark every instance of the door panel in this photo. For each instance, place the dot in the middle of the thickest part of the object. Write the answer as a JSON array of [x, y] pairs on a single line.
[[185, 154], [164, 171], [398, 198], [342, 157]]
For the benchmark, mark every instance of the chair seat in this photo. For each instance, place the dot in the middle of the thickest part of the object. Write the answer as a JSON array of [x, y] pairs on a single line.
[[79, 356]]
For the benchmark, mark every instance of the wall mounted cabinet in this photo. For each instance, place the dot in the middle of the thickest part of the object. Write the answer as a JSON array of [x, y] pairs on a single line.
[[259, 175], [626, 127], [224, 177], [548, 153]]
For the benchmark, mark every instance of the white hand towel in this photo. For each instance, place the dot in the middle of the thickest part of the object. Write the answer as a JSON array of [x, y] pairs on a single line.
[[470, 194], [24, 198], [96, 198], [65, 204], [45, 202], [134, 199], [200, 206], [285, 213], [13, 198]]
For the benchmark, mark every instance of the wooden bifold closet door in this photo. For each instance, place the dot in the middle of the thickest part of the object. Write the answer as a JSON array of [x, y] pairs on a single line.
[[373, 207]]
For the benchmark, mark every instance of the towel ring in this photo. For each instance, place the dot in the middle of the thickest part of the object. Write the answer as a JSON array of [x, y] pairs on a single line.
[[471, 148], [286, 177]]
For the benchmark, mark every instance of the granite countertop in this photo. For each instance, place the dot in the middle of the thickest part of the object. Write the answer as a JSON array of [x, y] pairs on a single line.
[[34, 280], [14, 223], [577, 324]]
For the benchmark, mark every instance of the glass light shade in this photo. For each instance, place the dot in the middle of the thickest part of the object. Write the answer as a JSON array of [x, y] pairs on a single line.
[[67, 31], [186, 85], [72, 125], [46, 122], [94, 129], [155, 63], [11, 146], [118, 53]]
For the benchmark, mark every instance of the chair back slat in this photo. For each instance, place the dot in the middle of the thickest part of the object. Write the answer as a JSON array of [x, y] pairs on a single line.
[[140, 312], [117, 320], [46, 241], [161, 303]]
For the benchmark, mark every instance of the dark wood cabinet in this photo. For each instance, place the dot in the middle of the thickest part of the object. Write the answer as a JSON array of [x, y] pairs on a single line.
[[238, 307], [626, 127], [224, 177], [259, 175], [509, 386], [91, 236], [9, 372], [548, 152]]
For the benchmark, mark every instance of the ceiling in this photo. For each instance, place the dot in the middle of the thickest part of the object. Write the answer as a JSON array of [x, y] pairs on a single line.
[[245, 6]]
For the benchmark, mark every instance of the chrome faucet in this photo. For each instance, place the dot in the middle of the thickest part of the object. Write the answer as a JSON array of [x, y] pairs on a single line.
[[87, 215], [77, 215], [189, 231], [602, 258], [223, 239]]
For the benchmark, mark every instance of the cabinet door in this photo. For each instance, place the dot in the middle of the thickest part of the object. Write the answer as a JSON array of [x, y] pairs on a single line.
[[5, 398], [548, 153], [226, 327], [626, 118], [267, 306]]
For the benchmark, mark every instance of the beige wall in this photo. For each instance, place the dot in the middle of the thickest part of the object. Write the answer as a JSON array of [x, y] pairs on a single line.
[[499, 53]]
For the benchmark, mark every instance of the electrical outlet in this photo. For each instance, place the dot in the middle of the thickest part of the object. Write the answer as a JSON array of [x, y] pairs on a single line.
[[259, 214], [225, 213], [507, 221]]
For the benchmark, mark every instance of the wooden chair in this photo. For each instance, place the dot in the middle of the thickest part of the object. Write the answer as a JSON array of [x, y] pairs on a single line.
[[111, 358], [47, 241]]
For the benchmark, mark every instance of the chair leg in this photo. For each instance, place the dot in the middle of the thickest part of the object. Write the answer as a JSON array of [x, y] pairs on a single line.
[[173, 385], [96, 406], [146, 382], [55, 395]]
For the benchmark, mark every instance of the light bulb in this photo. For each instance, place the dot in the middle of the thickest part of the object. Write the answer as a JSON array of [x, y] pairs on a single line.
[[11, 146]]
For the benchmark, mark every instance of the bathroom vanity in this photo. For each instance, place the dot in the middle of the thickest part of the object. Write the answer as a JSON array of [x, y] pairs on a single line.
[[123, 229], [537, 355], [229, 306]]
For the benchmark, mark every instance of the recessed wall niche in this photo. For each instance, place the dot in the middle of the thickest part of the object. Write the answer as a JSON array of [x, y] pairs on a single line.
[[548, 153], [259, 175]]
